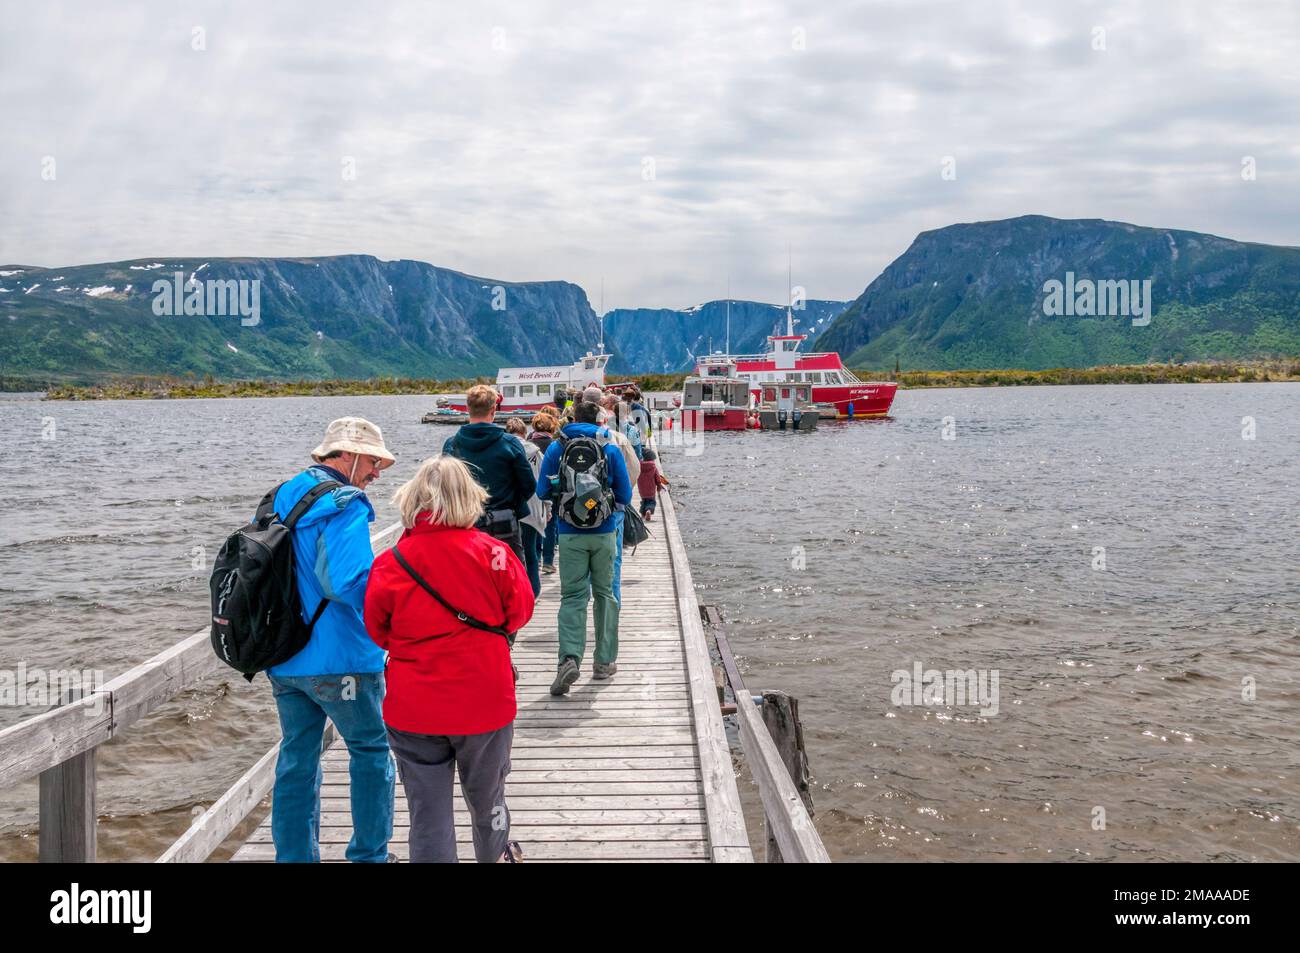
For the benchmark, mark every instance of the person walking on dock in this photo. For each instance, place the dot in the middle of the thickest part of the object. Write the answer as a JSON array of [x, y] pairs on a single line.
[[445, 602], [533, 524], [648, 484], [583, 473], [612, 420], [339, 674], [544, 426], [500, 465], [640, 416]]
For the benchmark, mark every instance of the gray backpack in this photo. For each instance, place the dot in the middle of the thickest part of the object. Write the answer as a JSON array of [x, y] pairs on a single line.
[[586, 497]]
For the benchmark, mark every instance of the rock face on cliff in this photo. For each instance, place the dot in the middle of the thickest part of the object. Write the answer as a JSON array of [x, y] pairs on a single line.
[[662, 340], [350, 316], [973, 295], [1030, 292]]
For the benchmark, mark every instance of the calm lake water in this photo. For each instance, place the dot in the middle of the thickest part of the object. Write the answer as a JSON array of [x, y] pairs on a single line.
[[1119, 558]]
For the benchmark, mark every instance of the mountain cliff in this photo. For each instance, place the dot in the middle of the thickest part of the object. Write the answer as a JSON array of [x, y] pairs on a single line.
[[974, 295], [350, 316]]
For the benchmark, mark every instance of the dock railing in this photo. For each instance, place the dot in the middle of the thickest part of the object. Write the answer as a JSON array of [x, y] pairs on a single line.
[[60, 746], [792, 836]]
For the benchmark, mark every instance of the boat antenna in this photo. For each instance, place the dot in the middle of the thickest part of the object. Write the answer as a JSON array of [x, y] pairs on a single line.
[[728, 314], [600, 346], [789, 292]]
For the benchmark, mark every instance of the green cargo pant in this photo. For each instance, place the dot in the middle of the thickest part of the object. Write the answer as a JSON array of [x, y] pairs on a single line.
[[582, 554]]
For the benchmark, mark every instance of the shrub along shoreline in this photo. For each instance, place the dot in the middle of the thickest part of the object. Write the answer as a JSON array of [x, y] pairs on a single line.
[[161, 388]]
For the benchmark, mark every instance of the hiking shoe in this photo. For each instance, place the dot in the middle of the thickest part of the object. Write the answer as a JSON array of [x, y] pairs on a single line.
[[604, 671], [513, 854], [548, 568], [565, 676]]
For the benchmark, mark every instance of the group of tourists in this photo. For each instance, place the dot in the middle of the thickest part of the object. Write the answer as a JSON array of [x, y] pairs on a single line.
[[409, 653]]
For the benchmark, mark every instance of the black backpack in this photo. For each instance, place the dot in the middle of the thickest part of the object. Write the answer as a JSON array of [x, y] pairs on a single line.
[[256, 612], [586, 498]]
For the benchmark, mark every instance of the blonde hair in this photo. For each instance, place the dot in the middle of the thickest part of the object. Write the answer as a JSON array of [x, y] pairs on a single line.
[[444, 488], [481, 400], [516, 426]]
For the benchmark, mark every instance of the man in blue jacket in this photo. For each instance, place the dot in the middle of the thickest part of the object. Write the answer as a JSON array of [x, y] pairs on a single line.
[[339, 674], [586, 552], [500, 465]]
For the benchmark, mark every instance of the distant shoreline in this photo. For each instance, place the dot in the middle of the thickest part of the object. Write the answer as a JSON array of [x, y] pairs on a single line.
[[171, 388]]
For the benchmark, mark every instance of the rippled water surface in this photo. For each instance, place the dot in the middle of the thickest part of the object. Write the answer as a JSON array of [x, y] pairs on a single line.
[[1120, 556], [1121, 688]]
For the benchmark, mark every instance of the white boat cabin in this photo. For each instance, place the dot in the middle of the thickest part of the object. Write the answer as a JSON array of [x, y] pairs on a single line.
[[527, 385]]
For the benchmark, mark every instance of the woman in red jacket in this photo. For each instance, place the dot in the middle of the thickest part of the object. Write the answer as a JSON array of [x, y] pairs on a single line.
[[451, 694]]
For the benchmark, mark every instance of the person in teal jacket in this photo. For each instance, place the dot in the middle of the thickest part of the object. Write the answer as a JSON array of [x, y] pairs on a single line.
[[339, 673], [584, 553]]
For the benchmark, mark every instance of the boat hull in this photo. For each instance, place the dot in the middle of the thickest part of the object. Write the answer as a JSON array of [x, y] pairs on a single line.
[[869, 399], [732, 418], [516, 408]]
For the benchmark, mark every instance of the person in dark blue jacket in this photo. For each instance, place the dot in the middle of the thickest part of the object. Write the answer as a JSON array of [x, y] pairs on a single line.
[[499, 464], [339, 673], [585, 552]]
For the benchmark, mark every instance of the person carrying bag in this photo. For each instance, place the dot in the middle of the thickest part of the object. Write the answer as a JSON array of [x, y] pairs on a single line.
[[445, 602]]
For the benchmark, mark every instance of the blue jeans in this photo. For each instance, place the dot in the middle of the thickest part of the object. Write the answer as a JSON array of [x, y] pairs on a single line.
[[532, 541], [618, 556], [548, 540], [355, 704]]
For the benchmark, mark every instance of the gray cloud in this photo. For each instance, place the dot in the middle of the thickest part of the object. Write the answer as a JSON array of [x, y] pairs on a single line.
[[510, 140]]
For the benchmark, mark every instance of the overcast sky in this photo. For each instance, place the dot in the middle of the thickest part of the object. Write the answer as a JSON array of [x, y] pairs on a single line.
[[662, 146]]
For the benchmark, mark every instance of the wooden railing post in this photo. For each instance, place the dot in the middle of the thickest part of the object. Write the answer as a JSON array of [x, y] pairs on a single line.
[[67, 803], [781, 715]]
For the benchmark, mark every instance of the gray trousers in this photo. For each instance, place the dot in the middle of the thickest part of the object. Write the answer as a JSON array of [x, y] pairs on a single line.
[[425, 765]]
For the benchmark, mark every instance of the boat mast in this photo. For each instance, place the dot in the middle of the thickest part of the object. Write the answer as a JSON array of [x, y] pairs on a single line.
[[600, 346], [789, 293], [728, 314]]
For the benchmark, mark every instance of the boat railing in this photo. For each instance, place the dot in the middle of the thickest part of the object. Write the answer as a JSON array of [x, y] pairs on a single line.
[[767, 356]]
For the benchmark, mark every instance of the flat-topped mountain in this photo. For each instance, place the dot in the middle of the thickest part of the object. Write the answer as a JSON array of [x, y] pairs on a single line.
[[982, 295]]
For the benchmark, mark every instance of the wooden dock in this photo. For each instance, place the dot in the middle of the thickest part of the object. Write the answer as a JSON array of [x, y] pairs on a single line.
[[636, 768], [629, 769]]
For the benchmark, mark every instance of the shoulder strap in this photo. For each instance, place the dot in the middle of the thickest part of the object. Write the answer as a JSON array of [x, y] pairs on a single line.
[[320, 611], [463, 617], [309, 498], [266, 509]]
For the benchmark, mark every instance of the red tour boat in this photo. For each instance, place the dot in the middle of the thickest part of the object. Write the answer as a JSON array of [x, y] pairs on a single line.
[[832, 382]]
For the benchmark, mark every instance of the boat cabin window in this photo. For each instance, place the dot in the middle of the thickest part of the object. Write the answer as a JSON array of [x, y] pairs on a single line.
[[525, 390], [508, 390], [589, 364], [769, 393], [543, 390], [815, 377], [785, 392], [801, 393]]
